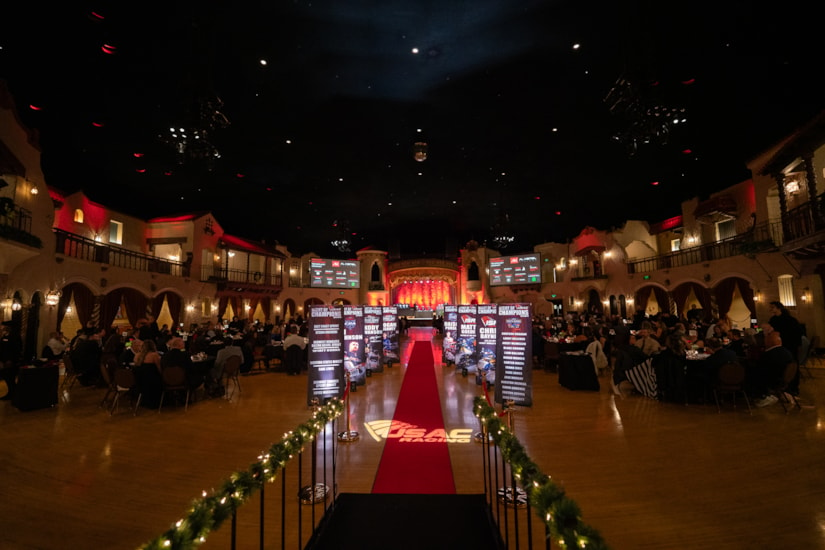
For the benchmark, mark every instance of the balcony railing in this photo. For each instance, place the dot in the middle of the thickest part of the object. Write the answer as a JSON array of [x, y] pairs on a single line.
[[16, 225], [242, 276], [763, 237], [81, 248], [805, 220]]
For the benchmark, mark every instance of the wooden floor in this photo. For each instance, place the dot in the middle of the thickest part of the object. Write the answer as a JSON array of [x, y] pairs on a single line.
[[645, 474]]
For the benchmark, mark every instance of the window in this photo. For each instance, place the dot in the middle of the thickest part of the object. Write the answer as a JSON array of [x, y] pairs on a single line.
[[786, 295], [675, 245], [78, 215], [115, 232], [725, 230]]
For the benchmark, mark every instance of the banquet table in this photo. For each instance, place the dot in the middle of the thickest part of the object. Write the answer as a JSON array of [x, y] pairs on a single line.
[[576, 371], [685, 380]]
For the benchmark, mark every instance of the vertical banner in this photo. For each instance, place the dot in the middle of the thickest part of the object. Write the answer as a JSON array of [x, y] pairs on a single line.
[[514, 372], [448, 344], [467, 334], [326, 354], [355, 356], [487, 347], [373, 323], [389, 334]]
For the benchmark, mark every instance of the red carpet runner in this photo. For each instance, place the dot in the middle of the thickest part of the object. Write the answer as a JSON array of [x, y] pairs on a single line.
[[416, 458]]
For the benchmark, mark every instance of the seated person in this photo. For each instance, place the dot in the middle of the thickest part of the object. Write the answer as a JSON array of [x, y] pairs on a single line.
[[737, 344], [645, 340], [176, 355], [669, 366], [293, 365], [230, 349]]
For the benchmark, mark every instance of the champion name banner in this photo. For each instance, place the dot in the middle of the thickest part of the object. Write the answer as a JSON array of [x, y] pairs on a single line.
[[373, 323], [487, 346], [467, 334], [326, 354], [514, 372], [389, 334], [448, 344], [355, 356]]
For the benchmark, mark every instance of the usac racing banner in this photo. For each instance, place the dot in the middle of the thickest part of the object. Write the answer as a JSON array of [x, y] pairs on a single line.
[[373, 323], [467, 335], [355, 357], [514, 373], [326, 354], [448, 343], [487, 346], [389, 334]]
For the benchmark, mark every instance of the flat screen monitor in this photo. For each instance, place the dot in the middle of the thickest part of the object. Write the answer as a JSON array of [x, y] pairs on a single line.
[[326, 273], [520, 269]]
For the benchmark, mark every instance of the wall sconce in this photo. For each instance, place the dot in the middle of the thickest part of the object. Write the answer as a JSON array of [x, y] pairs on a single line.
[[691, 240], [33, 190], [806, 295], [16, 306], [53, 297], [757, 296], [230, 254], [6, 303], [190, 308], [629, 301], [573, 261], [68, 310]]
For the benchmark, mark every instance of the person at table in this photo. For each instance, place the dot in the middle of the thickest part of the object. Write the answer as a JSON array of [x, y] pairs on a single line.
[[230, 349], [56, 344], [86, 357], [669, 366], [645, 340], [718, 355], [176, 355], [293, 338], [737, 343], [148, 355], [596, 351], [626, 356], [770, 368]]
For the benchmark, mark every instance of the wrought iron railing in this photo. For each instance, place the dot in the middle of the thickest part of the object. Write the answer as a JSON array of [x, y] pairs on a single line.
[[805, 219], [81, 248], [16, 224], [763, 237], [220, 274]]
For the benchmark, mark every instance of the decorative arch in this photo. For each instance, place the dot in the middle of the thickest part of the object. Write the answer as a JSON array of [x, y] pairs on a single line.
[[643, 295], [681, 293]]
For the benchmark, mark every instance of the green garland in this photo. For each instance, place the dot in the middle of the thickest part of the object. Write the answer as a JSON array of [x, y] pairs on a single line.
[[560, 514], [209, 512]]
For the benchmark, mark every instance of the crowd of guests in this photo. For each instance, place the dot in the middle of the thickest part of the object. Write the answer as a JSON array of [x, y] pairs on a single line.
[[664, 341]]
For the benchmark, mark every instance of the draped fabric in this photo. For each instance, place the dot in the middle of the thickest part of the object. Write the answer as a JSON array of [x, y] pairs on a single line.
[[642, 297], [135, 305], [253, 305], [156, 304], [266, 305], [222, 301], [681, 293], [175, 306], [62, 303], [109, 307], [747, 296], [724, 296], [643, 378], [84, 301]]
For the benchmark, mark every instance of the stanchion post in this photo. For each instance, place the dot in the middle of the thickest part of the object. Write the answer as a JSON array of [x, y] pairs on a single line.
[[512, 496], [315, 492], [349, 435]]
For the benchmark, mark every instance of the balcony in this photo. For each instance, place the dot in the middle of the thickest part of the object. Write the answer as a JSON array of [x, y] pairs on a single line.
[[16, 224], [242, 280], [74, 246], [804, 230], [761, 238]]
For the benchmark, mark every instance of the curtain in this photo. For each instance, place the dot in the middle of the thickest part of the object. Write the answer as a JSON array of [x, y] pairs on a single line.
[[253, 305], [175, 306], [84, 302], [109, 306], [680, 294], [642, 297], [135, 305], [747, 296], [662, 297], [724, 296], [222, 302]]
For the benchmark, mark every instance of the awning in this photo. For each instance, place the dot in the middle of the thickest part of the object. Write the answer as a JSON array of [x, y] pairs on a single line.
[[597, 248], [716, 210]]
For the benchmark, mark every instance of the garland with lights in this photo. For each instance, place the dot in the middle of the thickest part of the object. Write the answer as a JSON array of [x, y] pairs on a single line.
[[560, 514], [210, 511]]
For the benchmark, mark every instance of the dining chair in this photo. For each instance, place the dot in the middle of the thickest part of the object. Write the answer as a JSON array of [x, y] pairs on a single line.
[[259, 358], [231, 370], [174, 380], [730, 380], [69, 372], [125, 384], [781, 389], [552, 356], [107, 374]]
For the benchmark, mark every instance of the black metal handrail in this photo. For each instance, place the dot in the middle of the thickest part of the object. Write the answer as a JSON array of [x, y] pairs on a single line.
[[81, 248], [220, 274], [16, 224], [761, 238]]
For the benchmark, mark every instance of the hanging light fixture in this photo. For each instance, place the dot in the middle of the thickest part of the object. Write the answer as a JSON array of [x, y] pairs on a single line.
[[53, 297]]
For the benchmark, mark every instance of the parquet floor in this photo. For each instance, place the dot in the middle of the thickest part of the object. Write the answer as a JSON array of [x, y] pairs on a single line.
[[645, 474]]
